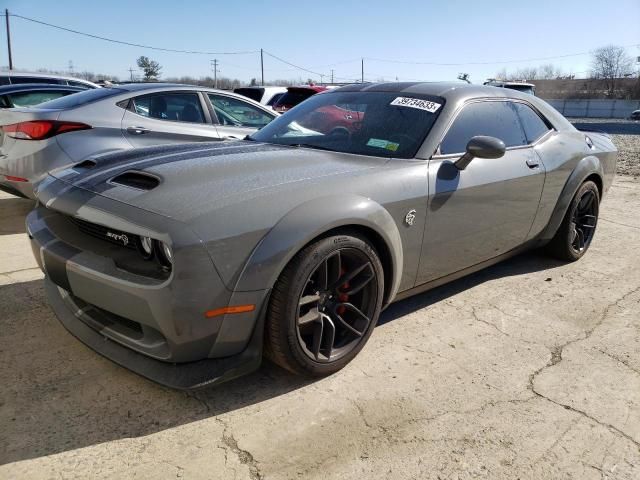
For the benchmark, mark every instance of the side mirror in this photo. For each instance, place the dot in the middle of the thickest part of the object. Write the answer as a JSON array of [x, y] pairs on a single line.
[[481, 147]]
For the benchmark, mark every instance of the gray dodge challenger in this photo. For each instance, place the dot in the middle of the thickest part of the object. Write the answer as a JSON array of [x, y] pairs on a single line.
[[188, 263]]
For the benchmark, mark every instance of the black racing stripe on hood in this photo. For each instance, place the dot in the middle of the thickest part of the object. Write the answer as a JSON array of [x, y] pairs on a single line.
[[96, 178]]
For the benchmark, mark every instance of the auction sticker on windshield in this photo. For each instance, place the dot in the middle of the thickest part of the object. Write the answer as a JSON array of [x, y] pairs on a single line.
[[426, 105]]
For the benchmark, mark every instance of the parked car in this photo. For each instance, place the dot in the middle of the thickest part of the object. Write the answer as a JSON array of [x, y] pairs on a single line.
[[635, 115], [70, 129], [296, 95], [194, 259], [264, 95], [30, 94], [520, 86], [15, 78]]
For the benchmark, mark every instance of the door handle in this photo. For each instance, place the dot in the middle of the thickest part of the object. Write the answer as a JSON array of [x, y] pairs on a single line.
[[533, 163], [137, 130]]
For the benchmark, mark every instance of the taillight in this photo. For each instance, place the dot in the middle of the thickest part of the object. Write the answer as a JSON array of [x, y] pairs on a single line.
[[41, 129]]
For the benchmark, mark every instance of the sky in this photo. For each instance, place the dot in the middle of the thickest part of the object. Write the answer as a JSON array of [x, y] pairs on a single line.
[[320, 36]]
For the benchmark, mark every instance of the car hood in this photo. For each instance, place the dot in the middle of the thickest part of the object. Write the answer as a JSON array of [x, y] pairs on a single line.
[[192, 178]]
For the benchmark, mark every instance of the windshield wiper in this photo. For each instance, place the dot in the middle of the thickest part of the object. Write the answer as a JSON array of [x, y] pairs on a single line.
[[308, 145]]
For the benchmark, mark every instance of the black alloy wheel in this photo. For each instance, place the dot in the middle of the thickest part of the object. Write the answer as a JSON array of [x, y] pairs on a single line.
[[325, 305], [584, 219], [574, 236], [337, 305]]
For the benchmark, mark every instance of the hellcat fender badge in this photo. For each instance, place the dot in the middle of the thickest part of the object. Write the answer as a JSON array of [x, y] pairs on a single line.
[[410, 217]]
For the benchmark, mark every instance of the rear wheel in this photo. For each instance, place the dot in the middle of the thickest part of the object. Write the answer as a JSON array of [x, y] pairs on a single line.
[[573, 238], [325, 305]]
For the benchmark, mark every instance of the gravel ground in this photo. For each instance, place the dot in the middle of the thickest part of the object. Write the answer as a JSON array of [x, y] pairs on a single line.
[[626, 136]]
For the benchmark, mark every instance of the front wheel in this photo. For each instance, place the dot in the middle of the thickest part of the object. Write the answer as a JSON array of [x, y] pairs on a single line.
[[325, 305], [574, 236]]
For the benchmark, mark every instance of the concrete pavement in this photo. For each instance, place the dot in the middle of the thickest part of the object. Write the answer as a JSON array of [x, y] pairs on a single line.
[[530, 369]]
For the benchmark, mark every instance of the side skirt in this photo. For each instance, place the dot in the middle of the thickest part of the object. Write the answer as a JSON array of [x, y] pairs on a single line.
[[424, 287]]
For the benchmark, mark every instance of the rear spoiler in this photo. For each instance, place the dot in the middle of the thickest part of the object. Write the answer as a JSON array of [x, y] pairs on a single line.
[[591, 130]]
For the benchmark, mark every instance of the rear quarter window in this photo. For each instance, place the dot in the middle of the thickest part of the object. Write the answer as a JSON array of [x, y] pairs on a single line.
[[534, 126]]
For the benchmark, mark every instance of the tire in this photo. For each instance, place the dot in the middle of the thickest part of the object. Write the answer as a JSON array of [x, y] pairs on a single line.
[[574, 236], [305, 326]]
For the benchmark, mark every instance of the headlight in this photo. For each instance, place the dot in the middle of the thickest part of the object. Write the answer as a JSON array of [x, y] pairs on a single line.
[[165, 254], [146, 247], [166, 249]]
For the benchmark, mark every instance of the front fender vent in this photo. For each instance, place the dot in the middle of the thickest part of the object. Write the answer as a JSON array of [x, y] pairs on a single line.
[[137, 180]]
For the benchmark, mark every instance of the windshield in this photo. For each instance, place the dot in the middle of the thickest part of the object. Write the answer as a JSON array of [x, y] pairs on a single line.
[[81, 98], [381, 124]]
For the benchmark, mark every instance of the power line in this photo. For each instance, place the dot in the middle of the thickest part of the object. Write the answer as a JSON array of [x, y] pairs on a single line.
[[538, 59], [293, 65], [121, 42]]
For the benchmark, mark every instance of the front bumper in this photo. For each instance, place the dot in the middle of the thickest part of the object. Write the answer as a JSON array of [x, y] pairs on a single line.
[[153, 326], [183, 376]]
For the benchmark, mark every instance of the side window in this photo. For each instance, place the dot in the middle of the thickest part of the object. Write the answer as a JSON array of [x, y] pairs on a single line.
[[495, 119], [176, 107], [28, 99], [534, 126], [234, 112]]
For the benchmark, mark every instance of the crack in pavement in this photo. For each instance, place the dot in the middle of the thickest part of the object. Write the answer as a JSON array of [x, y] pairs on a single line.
[[556, 358], [244, 456], [619, 360]]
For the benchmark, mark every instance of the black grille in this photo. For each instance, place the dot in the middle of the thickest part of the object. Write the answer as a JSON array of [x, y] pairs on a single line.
[[117, 237]]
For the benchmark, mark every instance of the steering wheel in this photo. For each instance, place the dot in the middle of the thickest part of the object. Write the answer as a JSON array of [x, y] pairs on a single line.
[[340, 133]]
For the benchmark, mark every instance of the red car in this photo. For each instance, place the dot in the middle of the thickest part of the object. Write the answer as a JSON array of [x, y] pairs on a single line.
[[333, 118], [296, 95]]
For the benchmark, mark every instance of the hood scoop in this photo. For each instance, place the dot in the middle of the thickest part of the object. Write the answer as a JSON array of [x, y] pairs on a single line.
[[86, 164], [134, 179]]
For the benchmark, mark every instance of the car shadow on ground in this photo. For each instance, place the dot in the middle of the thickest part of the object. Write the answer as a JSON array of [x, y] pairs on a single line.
[[58, 395], [12, 212]]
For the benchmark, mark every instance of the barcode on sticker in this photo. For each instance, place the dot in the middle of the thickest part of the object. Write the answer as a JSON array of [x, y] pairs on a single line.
[[426, 105]]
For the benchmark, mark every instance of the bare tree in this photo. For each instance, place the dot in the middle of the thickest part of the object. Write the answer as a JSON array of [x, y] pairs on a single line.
[[609, 64], [549, 71]]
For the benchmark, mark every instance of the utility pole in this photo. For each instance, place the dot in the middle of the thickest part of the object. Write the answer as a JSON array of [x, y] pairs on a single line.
[[321, 79], [214, 64], [262, 66], [6, 17], [71, 67], [362, 77], [131, 73], [332, 75]]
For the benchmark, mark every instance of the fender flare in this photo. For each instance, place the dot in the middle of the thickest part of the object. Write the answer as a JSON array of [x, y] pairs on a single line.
[[310, 220], [586, 167]]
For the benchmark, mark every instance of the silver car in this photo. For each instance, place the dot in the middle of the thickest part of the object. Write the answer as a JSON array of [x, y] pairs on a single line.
[[64, 131]]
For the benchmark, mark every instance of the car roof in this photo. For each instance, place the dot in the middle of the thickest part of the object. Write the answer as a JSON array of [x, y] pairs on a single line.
[[23, 87], [12, 73], [451, 91], [314, 88], [142, 86]]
